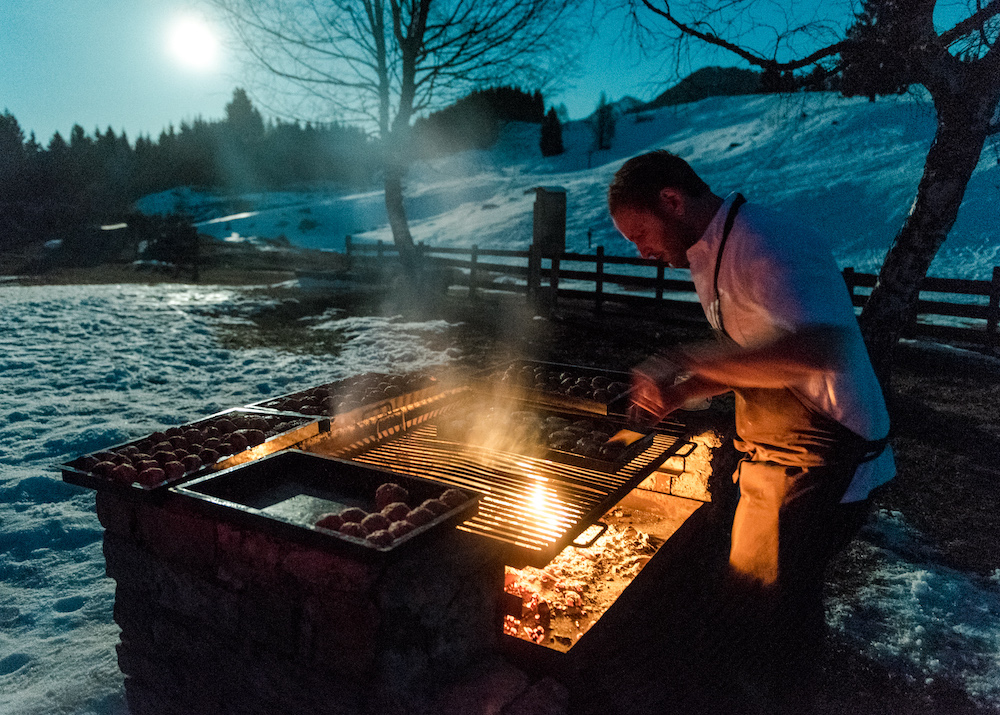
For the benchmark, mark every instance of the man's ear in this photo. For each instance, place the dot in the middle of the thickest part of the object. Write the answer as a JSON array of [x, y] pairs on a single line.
[[671, 201]]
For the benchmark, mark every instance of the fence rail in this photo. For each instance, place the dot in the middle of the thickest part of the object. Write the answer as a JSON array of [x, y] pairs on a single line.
[[547, 276]]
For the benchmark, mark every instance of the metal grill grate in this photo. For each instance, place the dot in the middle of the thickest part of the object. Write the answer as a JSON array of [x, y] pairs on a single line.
[[534, 506]]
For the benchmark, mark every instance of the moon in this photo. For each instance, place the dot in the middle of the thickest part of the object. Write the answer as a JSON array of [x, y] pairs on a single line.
[[192, 43]]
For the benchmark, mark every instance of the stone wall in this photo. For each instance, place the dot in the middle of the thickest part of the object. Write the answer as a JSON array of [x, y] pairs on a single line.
[[220, 619]]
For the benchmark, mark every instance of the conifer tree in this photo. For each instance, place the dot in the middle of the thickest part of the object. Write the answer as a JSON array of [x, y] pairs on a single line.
[[551, 141]]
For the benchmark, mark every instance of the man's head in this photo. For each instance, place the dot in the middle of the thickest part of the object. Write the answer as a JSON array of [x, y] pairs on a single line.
[[661, 205]]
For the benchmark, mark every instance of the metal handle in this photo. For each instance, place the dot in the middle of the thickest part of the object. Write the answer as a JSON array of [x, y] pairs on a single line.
[[600, 533], [691, 447]]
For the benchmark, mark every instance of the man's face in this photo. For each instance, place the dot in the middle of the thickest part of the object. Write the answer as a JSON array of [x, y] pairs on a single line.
[[656, 233]]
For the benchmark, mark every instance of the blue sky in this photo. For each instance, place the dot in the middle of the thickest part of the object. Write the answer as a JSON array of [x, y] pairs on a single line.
[[107, 62]]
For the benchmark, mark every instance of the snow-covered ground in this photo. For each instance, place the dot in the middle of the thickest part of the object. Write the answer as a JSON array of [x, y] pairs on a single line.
[[83, 367]]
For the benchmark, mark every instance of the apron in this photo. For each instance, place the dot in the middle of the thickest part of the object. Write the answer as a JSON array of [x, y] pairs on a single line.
[[799, 464]]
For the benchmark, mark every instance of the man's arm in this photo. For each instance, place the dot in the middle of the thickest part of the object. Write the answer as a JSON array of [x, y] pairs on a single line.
[[787, 359]]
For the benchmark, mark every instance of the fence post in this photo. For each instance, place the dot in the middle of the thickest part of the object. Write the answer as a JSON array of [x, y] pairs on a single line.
[[849, 281], [473, 259], [599, 281], [659, 282], [993, 314], [554, 280], [534, 271]]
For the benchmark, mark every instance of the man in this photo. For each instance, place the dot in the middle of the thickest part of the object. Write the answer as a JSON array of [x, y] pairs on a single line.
[[810, 414]]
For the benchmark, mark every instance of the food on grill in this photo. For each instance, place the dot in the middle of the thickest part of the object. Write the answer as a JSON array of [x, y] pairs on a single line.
[[104, 468], [382, 537], [124, 473], [192, 463], [454, 498], [330, 521], [353, 514], [527, 432], [375, 522], [389, 493], [353, 528], [254, 437], [225, 426], [569, 383], [420, 516], [346, 395], [400, 528], [209, 456], [238, 441], [396, 511], [435, 506], [174, 469], [178, 442], [150, 476], [162, 457]]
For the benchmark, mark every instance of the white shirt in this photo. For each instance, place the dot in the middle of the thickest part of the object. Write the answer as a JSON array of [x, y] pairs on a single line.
[[777, 275]]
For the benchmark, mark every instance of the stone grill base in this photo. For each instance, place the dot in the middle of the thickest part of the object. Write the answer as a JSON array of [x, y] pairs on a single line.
[[217, 619]]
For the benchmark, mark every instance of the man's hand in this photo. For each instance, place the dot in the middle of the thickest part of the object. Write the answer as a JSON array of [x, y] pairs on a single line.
[[651, 383]]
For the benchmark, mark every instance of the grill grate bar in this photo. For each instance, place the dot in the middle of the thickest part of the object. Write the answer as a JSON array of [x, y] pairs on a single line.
[[529, 502]]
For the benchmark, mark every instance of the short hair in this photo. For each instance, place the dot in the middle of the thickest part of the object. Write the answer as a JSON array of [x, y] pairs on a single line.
[[637, 184]]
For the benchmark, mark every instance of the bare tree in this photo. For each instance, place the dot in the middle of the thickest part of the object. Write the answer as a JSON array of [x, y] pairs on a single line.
[[886, 47], [382, 62]]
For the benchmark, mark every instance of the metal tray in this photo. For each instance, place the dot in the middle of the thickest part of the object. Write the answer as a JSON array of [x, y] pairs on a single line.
[[286, 493], [354, 397], [284, 430], [535, 381]]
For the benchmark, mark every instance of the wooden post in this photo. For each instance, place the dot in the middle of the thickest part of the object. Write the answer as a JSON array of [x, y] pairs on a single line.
[[534, 271], [993, 313], [554, 280], [473, 260], [599, 281], [849, 281]]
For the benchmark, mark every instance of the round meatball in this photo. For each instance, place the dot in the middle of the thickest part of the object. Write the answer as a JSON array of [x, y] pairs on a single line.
[[224, 425], [420, 516], [254, 437], [382, 537], [435, 506], [174, 469], [375, 522], [174, 432], [396, 511], [454, 498], [163, 456], [399, 529], [192, 463], [330, 521], [104, 468], [353, 528], [238, 441], [388, 493], [208, 456], [151, 476], [353, 514], [125, 473]]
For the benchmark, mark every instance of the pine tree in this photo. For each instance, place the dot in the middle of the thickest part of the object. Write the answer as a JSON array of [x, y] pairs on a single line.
[[603, 124], [551, 141]]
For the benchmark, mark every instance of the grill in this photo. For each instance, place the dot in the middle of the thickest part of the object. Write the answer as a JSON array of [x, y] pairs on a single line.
[[534, 502]]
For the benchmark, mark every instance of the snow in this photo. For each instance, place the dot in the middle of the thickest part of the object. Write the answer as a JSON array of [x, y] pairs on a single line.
[[85, 367]]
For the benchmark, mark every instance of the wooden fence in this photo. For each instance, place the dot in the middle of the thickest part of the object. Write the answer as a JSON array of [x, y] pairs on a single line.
[[975, 302]]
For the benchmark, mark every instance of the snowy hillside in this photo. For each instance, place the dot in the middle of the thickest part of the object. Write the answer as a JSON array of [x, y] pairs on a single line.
[[848, 165]]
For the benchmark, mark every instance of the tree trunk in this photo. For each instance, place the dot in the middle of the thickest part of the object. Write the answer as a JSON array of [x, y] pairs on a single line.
[[962, 128], [394, 207]]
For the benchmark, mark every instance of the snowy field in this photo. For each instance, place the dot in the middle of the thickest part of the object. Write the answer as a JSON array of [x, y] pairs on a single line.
[[84, 367]]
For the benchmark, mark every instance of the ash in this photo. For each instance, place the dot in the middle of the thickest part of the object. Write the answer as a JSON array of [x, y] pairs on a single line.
[[559, 603]]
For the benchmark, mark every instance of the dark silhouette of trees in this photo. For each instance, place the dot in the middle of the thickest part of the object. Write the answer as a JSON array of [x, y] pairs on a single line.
[[94, 178], [475, 120], [551, 142]]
